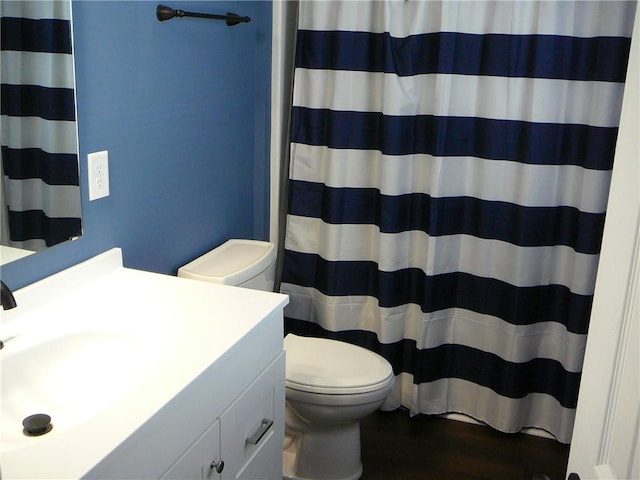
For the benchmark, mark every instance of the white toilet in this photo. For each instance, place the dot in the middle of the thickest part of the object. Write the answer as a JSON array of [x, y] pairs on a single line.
[[330, 385]]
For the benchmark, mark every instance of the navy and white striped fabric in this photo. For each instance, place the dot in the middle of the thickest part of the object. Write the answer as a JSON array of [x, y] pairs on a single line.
[[450, 167], [40, 191]]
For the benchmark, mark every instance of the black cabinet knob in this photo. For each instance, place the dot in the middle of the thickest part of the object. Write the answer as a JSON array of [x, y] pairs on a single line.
[[217, 466]]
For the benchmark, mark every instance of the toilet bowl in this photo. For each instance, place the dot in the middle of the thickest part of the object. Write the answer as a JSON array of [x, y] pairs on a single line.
[[330, 385]]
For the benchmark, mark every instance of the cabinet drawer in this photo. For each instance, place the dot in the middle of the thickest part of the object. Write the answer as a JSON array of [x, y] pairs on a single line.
[[252, 428]]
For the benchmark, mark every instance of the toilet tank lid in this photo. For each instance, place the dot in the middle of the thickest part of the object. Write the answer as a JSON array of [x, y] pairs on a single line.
[[232, 263]]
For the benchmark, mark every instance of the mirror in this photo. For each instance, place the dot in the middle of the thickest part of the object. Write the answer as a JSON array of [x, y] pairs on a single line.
[[39, 187]]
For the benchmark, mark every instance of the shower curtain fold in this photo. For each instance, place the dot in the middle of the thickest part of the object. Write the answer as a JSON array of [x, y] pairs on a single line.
[[450, 166]]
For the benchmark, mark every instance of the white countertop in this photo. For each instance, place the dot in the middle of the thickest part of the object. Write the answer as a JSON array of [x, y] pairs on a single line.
[[189, 325], [10, 254]]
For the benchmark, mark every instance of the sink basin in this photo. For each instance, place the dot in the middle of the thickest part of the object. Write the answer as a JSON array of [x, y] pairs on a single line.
[[71, 378]]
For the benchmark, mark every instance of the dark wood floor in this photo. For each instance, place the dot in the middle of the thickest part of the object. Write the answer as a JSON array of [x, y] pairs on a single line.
[[398, 447]]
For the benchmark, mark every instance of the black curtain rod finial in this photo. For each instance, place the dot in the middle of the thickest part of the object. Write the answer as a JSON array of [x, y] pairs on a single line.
[[167, 13]]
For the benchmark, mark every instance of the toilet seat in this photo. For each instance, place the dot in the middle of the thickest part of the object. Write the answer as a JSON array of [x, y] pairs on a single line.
[[318, 365]]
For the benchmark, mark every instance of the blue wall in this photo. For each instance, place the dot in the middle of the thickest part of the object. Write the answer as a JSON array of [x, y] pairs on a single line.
[[183, 108]]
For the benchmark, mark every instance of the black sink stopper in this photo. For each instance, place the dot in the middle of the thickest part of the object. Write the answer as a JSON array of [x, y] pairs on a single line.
[[37, 424]]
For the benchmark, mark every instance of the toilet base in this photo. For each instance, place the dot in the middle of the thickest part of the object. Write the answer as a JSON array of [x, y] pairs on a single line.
[[328, 453]]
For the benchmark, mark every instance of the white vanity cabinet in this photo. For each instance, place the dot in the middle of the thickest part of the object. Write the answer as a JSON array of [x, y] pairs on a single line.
[[193, 374], [245, 442], [213, 419]]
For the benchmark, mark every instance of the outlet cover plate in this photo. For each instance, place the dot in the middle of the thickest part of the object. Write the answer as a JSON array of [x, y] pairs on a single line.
[[98, 168]]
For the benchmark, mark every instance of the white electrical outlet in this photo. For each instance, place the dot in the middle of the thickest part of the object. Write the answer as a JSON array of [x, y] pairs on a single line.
[[98, 168]]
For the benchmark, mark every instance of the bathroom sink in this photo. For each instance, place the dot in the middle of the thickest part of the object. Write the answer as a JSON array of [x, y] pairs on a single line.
[[71, 378], [118, 357]]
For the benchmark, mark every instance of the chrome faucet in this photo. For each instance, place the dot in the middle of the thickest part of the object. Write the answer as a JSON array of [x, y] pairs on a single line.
[[6, 297]]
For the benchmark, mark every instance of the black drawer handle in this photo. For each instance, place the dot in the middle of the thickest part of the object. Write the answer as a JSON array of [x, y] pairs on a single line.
[[262, 429]]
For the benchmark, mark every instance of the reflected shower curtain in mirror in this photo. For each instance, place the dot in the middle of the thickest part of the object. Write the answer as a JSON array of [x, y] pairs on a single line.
[[450, 167], [40, 188]]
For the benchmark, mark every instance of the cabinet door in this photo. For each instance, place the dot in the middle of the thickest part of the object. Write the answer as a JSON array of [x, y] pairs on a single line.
[[252, 428], [196, 462]]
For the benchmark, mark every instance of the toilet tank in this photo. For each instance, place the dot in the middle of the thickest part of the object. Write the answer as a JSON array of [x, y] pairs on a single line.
[[244, 263]]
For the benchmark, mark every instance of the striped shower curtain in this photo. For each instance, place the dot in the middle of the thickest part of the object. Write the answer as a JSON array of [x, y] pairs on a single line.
[[40, 184], [450, 166]]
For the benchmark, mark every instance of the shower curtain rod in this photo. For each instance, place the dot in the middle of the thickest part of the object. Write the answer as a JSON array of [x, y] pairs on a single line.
[[167, 13]]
